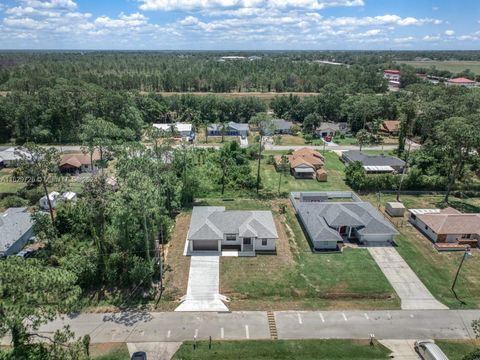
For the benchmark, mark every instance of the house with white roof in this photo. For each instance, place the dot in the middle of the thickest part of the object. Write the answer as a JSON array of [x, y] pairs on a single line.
[[213, 229], [183, 130], [10, 157]]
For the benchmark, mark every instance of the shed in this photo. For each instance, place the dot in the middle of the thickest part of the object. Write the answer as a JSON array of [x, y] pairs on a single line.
[[54, 198], [395, 209], [322, 175]]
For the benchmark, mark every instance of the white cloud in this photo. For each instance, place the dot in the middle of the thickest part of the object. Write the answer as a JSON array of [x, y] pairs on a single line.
[[171, 5], [431, 38], [449, 32], [50, 4], [379, 20]]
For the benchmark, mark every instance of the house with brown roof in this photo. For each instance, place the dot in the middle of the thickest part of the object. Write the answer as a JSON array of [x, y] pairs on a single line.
[[390, 127], [305, 163], [79, 162], [447, 225]]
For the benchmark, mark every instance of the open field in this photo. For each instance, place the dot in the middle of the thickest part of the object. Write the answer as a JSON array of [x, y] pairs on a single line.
[[285, 349], [7, 186], [454, 66], [291, 140], [296, 278], [333, 165], [437, 270], [456, 350]]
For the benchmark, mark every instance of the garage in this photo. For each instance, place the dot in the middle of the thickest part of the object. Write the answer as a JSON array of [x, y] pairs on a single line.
[[205, 245]]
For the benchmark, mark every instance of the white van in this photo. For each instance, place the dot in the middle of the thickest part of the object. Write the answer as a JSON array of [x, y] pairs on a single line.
[[428, 350]]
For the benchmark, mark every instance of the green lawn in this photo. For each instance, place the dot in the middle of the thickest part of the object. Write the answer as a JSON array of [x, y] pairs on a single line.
[[347, 140], [288, 349], [456, 350], [454, 66], [7, 186], [333, 165], [298, 278], [437, 270], [109, 351]]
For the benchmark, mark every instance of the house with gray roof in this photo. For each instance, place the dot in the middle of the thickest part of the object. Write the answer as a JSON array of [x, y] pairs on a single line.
[[332, 129], [329, 221], [16, 228], [374, 163], [214, 229], [279, 126], [11, 156], [229, 129]]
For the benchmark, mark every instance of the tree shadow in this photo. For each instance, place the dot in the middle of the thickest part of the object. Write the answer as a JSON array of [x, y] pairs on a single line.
[[462, 206], [129, 317]]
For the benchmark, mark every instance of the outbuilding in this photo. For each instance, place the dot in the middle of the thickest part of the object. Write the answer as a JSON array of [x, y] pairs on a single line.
[[395, 209]]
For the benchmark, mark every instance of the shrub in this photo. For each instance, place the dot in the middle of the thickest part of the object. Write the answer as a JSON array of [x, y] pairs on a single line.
[[270, 160], [14, 201]]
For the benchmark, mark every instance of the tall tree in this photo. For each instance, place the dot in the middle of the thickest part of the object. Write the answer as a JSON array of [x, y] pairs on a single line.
[[40, 163]]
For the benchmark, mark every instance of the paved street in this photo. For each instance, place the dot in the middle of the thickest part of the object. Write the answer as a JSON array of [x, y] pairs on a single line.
[[412, 292], [203, 285], [179, 326]]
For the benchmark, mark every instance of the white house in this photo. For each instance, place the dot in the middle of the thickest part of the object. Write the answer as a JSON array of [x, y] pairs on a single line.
[[183, 129], [393, 77], [213, 229], [54, 199], [9, 157]]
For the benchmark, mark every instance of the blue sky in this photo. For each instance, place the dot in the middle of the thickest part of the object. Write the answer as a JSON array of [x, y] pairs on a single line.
[[240, 24]]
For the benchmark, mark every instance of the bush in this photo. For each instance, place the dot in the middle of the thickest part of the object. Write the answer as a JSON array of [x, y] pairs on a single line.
[[33, 195], [14, 201], [270, 160]]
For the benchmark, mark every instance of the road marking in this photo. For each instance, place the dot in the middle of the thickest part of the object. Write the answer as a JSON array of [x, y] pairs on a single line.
[[299, 319], [344, 316], [169, 332], [321, 317], [247, 333], [366, 316], [196, 333], [222, 333]]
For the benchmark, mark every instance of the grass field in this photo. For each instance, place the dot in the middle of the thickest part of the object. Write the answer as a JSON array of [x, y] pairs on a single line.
[[291, 140], [7, 186], [286, 349], [298, 278], [333, 165], [456, 350], [437, 270], [454, 66]]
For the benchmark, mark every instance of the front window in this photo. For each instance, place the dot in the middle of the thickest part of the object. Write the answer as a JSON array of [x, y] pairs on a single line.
[[231, 237], [264, 242], [466, 236], [247, 241]]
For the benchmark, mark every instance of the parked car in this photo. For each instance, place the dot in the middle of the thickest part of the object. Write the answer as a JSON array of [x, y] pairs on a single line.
[[26, 253], [139, 355], [428, 350]]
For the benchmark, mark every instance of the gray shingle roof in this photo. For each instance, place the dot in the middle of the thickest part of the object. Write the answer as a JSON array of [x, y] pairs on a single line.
[[281, 124], [230, 125], [14, 223], [372, 160], [320, 217], [212, 222]]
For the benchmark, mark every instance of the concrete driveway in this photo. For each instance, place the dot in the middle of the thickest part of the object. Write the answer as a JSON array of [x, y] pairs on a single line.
[[412, 292], [203, 285]]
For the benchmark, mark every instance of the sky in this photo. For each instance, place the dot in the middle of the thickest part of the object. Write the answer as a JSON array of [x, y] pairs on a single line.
[[240, 24]]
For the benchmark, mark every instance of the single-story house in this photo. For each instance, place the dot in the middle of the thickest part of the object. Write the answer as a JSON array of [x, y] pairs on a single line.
[[56, 198], [9, 157], [79, 162], [447, 225], [305, 163], [184, 130], [393, 76], [329, 223], [279, 126], [390, 127], [374, 163], [212, 228], [332, 129], [16, 228], [231, 129], [461, 82]]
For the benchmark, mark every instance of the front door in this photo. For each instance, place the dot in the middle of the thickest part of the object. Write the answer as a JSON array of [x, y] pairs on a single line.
[[247, 244]]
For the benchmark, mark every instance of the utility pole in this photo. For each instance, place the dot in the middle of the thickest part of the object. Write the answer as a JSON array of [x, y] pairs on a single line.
[[466, 255]]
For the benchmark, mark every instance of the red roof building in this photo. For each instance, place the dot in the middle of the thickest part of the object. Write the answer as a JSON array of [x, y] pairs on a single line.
[[462, 81]]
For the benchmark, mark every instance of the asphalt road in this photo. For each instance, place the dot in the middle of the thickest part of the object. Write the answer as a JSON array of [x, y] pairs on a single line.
[[133, 327]]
